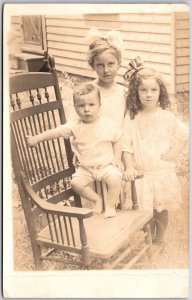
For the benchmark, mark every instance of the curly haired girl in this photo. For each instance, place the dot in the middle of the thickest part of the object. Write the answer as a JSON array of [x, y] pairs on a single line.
[[152, 140]]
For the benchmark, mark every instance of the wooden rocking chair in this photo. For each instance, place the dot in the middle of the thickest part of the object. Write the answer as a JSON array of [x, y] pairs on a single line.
[[43, 176]]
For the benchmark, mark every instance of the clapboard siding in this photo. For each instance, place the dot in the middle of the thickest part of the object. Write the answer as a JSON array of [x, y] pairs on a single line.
[[146, 35], [16, 29], [14, 41], [128, 26], [126, 36], [134, 45], [139, 17], [182, 54], [161, 40]]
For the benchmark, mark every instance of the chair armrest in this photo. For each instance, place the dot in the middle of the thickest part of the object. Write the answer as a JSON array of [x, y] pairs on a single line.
[[77, 212]]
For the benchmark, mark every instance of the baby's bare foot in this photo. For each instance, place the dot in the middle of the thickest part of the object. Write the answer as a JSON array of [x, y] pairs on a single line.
[[97, 207], [110, 212]]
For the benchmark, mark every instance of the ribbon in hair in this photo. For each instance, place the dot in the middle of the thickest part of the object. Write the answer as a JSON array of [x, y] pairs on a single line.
[[113, 37], [134, 66]]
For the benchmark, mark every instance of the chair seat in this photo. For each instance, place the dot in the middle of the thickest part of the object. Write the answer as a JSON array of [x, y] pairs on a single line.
[[105, 236]]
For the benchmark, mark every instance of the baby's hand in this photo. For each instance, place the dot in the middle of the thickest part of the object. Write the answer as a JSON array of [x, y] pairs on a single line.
[[31, 141], [130, 174]]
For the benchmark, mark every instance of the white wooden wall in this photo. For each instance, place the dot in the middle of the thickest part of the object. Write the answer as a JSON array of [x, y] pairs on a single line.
[[182, 59], [162, 40], [16, 29], [145, 35]]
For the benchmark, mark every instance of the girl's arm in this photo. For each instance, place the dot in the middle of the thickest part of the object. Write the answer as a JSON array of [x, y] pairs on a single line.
[[173, 153], [179, 140], [117, 149], [130, 173]]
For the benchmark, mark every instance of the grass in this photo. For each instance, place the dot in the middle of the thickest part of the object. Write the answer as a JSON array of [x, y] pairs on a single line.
[[176, 251]]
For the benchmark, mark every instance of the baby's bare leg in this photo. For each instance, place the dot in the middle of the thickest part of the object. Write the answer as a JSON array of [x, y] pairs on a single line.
[[82, 188], [114, 189]]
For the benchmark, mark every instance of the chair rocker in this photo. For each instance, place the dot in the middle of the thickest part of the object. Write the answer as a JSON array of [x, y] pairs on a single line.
[[43, 176]]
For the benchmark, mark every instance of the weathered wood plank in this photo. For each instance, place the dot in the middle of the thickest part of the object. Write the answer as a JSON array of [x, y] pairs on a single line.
[[128, 26], [182, 52], [151, 47], [139, 46], [79, 35], [183, 33], [182, 16], [133, 17], [78, 32], [15, 19], [146, 17], [71, 47], [164, 38], [68, 54], [182, 79], [183, 69], [182, 60], [81, 23], [182, 43], [182, 24], [182, 87]]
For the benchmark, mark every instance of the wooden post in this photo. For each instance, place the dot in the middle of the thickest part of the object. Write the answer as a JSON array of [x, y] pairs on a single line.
[[85, 248], [148, 240], [31, 226], [134, 196]]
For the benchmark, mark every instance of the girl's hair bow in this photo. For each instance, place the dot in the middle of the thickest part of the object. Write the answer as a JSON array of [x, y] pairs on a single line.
[[134, 66], [113, 38]]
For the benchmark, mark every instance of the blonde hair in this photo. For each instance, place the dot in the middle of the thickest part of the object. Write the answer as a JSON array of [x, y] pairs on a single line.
[[99, 46], [84, 89]]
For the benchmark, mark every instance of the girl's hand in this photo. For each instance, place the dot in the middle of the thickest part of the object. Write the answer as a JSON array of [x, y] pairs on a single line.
[[130, 174], [75, 161], [119, 164], [31, 141], [169, 156]]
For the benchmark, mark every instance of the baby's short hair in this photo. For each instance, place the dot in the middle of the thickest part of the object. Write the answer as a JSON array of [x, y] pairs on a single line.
[[84, 89]]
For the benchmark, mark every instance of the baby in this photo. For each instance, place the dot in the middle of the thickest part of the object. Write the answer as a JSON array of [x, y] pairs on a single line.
[[96, 141]]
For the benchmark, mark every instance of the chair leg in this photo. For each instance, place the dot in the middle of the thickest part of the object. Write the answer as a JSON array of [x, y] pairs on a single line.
[[148, 240], [36, 255], [38, 264], [86, 256], [106, 265]]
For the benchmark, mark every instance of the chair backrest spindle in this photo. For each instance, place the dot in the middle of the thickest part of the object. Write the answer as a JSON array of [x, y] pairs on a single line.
[[39, 113]]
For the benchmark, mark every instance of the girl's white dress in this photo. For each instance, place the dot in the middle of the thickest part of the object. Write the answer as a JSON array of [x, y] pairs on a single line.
[[113, 103], [147, 138]]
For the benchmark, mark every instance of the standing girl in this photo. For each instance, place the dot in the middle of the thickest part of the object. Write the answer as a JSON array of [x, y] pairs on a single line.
[[104, 56], [153, 139]]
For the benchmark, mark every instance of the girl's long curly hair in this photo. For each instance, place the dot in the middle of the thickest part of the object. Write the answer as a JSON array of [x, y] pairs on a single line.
[[133, 102]]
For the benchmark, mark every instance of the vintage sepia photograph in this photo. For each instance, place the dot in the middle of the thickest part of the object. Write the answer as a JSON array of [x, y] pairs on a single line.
[[96, 150]]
